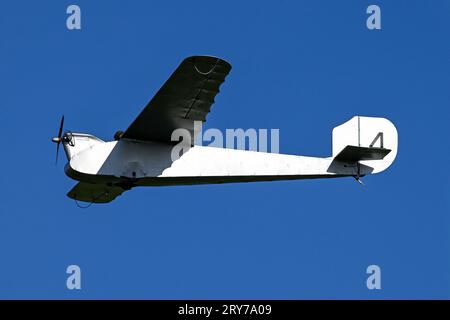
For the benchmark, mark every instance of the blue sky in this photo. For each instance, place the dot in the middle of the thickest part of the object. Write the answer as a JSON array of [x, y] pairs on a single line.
[[300, 66]]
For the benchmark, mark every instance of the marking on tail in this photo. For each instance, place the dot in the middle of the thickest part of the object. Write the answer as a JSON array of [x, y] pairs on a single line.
[[378, 136]]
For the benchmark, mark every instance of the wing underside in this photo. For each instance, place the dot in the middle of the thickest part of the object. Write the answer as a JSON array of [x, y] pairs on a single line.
[[187, 96], [94, 193]]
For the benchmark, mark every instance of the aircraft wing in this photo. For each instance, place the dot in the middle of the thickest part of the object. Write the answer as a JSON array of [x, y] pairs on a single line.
[[94, 193], [186, 97]]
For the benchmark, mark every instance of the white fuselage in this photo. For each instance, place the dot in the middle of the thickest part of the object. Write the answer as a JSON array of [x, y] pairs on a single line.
[[150, 163]]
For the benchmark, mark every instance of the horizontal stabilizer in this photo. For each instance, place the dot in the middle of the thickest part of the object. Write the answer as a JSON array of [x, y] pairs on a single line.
[[355, 154]]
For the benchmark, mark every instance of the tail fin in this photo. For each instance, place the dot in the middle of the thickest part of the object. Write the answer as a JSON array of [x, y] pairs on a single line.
[[372, 141]]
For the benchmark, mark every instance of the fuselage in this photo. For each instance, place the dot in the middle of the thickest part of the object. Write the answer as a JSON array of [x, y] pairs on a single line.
[[152, 163]]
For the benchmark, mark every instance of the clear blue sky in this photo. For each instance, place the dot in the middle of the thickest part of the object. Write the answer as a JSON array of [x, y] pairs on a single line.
[[300, 66]]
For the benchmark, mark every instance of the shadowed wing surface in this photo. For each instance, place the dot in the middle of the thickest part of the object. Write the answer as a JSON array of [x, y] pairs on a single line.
[[354, 153], [95, 193], [187, 96]]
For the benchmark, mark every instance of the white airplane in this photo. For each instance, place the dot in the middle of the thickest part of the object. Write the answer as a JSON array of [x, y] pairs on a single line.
[[141, 156]]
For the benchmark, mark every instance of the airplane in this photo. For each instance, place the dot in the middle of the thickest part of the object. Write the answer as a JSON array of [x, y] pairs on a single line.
[[142, 154]]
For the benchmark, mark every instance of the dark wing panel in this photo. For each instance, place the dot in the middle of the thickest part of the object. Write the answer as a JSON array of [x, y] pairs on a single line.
[[186, 97], [95, 193]]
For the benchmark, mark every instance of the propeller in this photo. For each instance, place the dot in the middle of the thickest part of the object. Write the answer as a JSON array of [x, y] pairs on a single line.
[[58, 139]]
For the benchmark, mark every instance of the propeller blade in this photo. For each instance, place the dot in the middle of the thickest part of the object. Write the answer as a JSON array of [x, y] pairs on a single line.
[[57, 152], [58, 140], [61, 127]]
